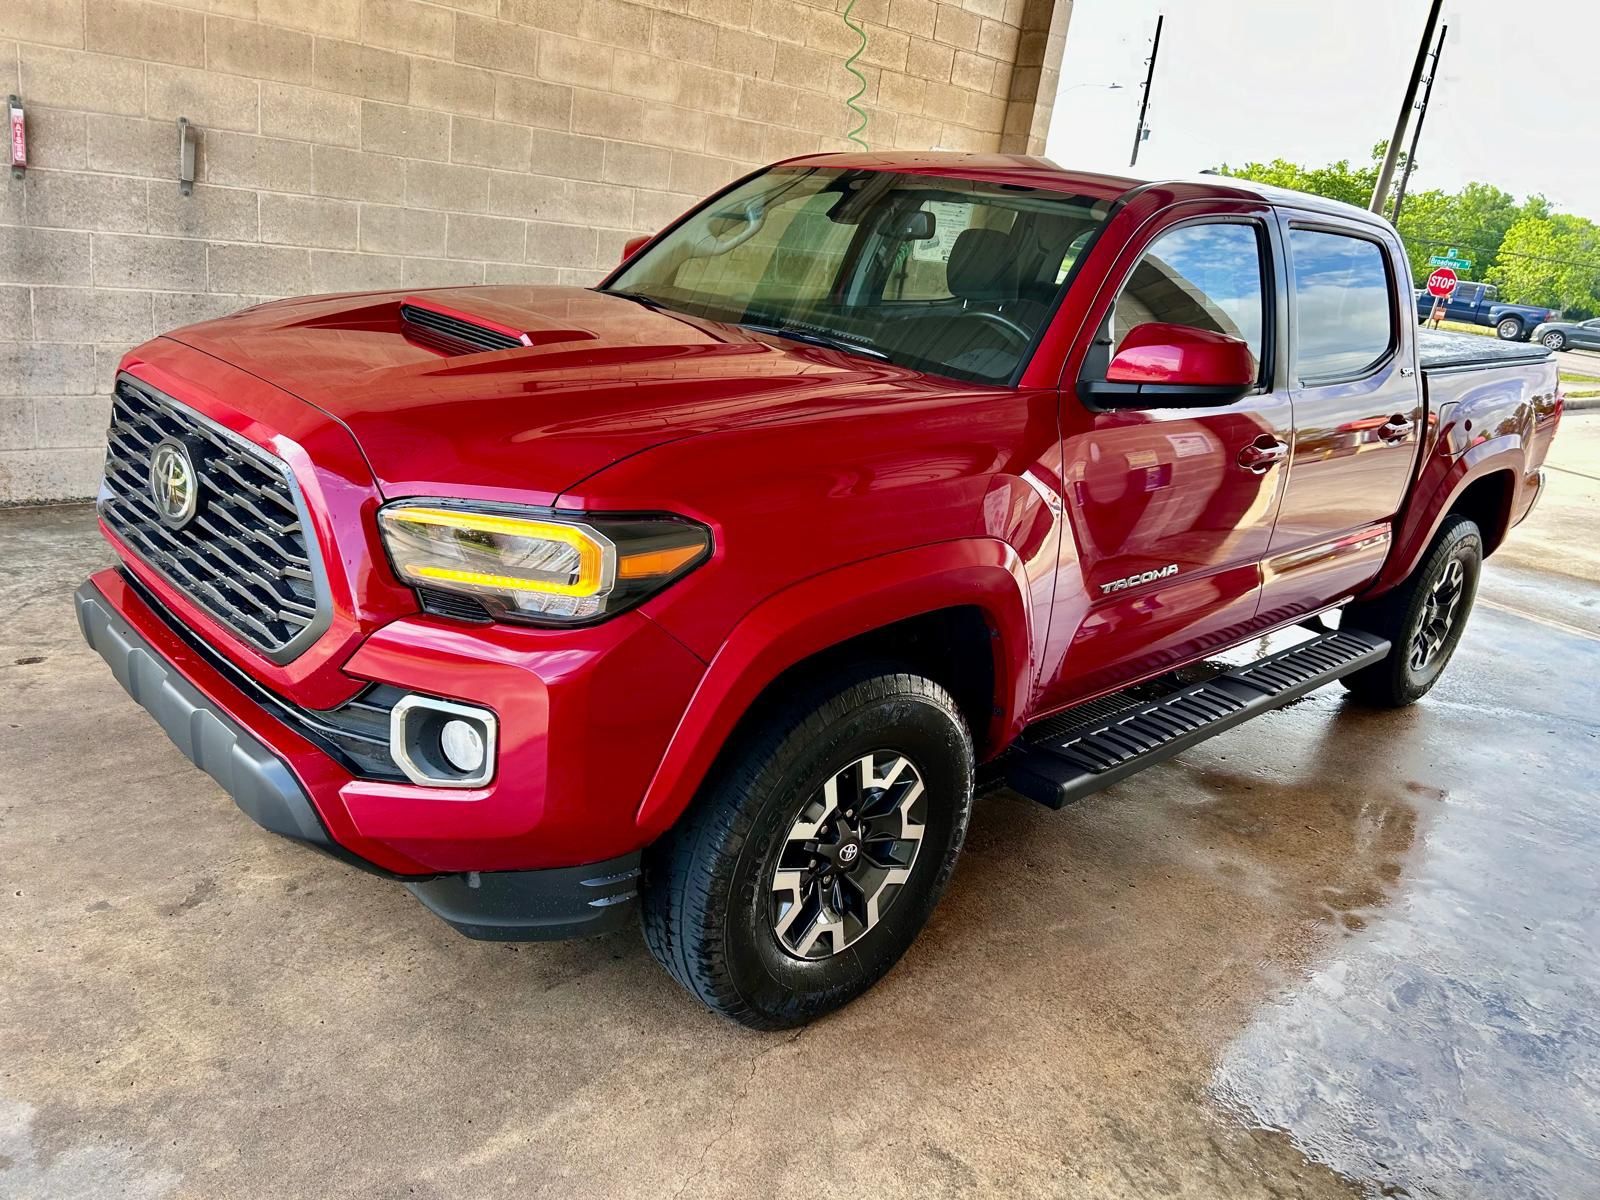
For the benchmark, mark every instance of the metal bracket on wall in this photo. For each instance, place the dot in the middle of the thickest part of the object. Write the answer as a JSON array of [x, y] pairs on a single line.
[[186, 136], [19, 136]]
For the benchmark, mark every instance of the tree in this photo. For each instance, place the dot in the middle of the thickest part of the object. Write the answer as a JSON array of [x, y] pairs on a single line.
[[1551, 260], [1336, 181]]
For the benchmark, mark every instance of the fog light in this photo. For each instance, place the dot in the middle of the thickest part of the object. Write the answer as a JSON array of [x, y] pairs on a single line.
[[462, 745], [442, 743]]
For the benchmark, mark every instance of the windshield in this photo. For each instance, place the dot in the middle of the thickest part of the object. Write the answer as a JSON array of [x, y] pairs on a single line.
[[951, 276]]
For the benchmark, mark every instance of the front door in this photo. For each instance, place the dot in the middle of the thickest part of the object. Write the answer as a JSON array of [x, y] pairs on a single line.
[[1357, 415], [1170, 509]]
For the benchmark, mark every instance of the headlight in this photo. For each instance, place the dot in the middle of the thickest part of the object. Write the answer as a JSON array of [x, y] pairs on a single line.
[[525, 565]]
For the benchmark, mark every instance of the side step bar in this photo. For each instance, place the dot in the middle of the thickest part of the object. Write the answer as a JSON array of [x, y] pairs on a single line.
[[1104, 750]]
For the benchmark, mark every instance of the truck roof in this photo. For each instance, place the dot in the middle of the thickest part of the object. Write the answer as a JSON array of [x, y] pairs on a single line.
[[1029, 171]]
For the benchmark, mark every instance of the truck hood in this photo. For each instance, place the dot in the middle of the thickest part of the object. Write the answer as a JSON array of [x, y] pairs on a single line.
[[602, 378]]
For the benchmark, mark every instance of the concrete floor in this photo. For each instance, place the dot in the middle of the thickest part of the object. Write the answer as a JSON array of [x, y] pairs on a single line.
[[1330, 953]]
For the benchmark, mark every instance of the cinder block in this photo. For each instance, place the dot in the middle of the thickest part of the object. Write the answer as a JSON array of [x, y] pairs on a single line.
[[164, 263], [530, 102], [561, 245], [16, 423], [561, 16], [707, 90], [64, 314], [490, 144], [637, 166], [176, 309], [607, 115], [336, 18], [615, 22], [31, 475], [39, 369], [310, 114], [341, 271], [70, 200], [396, 229], [73, 79], [682, 128], [43, 256], [803, 66], [259, 51], [568, 155], [655, 210], [957, 28], [998, 40], [499, 238], [211, 100], [309, 221], [721, 12], [131, 146], [447, 186], [452, 88], [207, 212], [498, 45], [440, 272], [972, 71], [768, 102], [986, 8], [259, 270], [244, 160], [785, 20], [55, 22], [406, 131], [516, 195], [529, 273], [700, 174], [56, 138], [356, 175], [574, 60], [361, 70], [409, 26], [732, 138], [71, 422], [16, 313], [153, 32], [684, 39], [750, 53]]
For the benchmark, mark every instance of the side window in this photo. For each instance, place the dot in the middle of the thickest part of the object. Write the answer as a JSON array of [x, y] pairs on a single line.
[[1207, 276], [1491, 294], [1344, 321]]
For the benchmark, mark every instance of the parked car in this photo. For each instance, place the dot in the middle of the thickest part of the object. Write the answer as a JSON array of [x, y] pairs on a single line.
[[705, 596], [1569, 335], [1480, 304]]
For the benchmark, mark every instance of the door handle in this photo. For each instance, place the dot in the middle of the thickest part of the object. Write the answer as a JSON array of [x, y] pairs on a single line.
[[1396, 429], [1264, 452]]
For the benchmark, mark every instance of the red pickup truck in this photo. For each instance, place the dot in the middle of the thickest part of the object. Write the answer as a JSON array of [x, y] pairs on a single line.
[[706, 595]]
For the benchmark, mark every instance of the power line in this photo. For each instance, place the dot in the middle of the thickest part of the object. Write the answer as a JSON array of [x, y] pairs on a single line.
[[1434, 239]]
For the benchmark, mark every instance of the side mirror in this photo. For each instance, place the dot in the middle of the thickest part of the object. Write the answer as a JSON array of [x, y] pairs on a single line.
[[635, 244], [1174, 366]]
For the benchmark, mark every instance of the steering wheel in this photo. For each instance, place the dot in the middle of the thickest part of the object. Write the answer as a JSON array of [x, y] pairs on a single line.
[[1004, 323]]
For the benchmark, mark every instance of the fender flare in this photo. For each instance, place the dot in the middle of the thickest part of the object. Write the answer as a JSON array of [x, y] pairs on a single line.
[[1422, 519], [827, 609]]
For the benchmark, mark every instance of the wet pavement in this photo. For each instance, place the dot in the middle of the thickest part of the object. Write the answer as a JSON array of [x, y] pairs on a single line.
[[1331, 953]]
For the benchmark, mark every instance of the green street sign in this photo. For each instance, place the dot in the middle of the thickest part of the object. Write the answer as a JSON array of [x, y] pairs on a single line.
[[1452, 259]]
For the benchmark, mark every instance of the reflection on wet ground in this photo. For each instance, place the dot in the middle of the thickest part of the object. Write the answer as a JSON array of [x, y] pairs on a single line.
[[1451, 1047]]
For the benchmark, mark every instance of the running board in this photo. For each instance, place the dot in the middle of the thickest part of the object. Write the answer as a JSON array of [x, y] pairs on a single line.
[[1103, 750]]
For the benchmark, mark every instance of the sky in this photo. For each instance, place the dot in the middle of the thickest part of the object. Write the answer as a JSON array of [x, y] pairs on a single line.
[[1516, 105]]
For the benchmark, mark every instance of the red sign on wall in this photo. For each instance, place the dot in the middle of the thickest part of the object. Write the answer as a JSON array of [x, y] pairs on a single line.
[[19, 138]]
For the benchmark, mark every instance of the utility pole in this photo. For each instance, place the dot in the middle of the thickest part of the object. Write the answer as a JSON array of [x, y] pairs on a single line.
[[1416, 134], [1380, 192], [1144, 103]]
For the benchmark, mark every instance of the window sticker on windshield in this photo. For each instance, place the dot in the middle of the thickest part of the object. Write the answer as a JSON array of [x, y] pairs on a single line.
[[949, 219]]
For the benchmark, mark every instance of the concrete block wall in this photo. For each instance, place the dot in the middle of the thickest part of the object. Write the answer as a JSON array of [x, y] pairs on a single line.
[[358, 144]]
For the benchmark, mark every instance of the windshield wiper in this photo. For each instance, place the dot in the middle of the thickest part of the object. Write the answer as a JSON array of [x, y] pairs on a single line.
[[815, 339], [636, 297]]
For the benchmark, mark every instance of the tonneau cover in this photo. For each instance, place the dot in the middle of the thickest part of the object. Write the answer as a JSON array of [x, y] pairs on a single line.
[[1440, 351]]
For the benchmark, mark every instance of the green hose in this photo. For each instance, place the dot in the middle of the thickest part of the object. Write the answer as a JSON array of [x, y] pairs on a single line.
[[850, 65]]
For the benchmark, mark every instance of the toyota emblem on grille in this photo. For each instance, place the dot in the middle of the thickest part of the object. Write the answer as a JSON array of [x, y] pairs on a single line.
[[174, 486]]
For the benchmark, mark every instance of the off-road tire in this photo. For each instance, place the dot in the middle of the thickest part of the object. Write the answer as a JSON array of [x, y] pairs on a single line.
[[707, 884], [1396, 680]]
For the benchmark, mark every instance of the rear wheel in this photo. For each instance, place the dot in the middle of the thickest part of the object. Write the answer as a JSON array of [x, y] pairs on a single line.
[[1423, 619], [816, 852], [1554, 340], [1509, 329]]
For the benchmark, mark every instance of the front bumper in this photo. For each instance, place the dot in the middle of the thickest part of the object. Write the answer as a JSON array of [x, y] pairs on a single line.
[[500, 905]]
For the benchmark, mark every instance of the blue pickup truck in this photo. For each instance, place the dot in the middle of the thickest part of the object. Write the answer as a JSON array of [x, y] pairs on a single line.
[[1479, 304]]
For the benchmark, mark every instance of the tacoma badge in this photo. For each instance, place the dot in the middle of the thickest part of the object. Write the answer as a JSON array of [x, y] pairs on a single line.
[[1116, 585]]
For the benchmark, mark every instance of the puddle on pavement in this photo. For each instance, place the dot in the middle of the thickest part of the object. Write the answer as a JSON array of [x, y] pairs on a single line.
[[1449, 1044]]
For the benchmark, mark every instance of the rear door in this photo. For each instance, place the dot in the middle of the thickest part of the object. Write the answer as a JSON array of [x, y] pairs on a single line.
[[1357, 412]]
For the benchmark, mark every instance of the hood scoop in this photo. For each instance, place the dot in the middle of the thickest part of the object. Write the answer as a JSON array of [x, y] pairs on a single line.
[[456, 332]]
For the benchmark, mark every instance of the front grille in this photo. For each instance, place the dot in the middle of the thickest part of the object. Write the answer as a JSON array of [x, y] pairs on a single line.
[[245, 557], [453, 329]]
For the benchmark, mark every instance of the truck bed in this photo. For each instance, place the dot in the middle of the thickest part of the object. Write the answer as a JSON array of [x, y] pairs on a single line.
[[1438, 351]]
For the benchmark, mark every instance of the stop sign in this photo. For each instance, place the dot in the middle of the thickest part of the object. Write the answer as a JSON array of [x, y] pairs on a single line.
[[1442, 282]]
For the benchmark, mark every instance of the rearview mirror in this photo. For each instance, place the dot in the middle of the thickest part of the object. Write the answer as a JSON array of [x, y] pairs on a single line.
[[635, 244], [1174, 366]]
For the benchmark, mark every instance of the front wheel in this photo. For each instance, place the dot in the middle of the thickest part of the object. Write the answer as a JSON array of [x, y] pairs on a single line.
[[1554, 340], [1423, 619], [817, 850], [1510, 330]]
